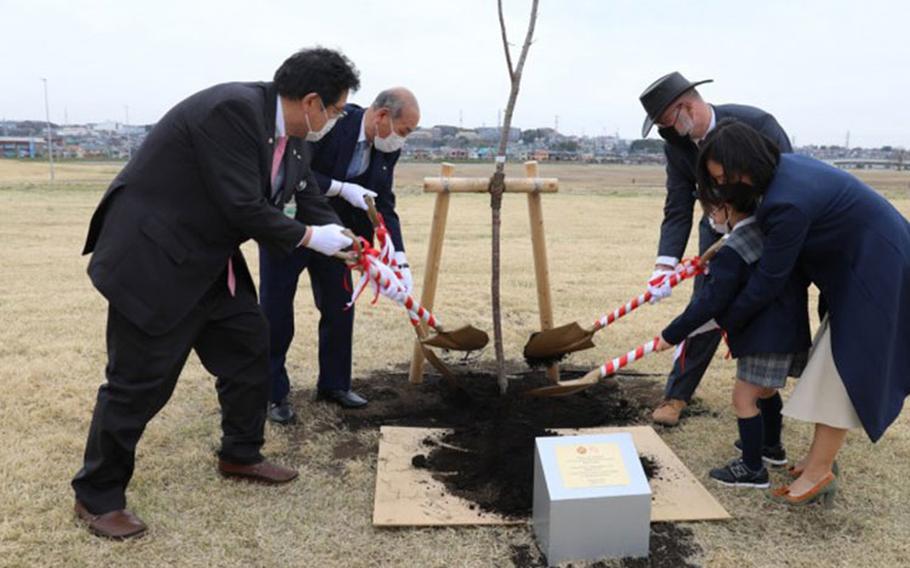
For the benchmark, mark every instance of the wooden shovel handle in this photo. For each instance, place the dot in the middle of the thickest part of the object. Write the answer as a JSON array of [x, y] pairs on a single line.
[[346, 256], [372, 213], [712, 250]]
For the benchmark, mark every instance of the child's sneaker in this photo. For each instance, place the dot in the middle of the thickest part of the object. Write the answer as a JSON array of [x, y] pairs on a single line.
[[737, 474], [771, 455]]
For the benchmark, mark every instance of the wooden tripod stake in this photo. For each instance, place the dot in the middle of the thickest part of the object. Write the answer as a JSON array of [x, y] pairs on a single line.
[[446, 185]]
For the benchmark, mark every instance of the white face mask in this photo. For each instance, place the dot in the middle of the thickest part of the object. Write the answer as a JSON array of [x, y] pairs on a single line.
[[685, 124], [316, 136], [391, 143]]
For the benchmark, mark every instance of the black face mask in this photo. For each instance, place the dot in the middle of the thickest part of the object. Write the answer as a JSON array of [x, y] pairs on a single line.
[[728, 190]]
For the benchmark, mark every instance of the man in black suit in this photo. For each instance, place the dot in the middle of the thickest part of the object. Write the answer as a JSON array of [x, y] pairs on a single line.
[[165, 239], [355, 160], [684, 119]]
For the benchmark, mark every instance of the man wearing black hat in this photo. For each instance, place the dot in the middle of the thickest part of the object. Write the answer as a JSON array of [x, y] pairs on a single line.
[[684, 119]]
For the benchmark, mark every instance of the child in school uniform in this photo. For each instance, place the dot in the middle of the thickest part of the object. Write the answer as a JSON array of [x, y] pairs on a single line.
[[772, 346]]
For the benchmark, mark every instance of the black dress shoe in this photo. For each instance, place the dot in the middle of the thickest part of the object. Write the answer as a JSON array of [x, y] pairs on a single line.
[[343, 398], [281, 412]]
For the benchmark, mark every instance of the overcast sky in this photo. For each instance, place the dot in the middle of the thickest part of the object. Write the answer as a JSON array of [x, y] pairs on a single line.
[[821, 67]]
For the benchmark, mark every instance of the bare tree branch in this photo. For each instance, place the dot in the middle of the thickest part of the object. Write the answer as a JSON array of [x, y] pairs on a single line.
[[505, 42], [497, 186], [516, 74]]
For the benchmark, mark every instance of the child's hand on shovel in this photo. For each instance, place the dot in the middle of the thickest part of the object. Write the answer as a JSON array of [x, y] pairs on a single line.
[[662, 345]]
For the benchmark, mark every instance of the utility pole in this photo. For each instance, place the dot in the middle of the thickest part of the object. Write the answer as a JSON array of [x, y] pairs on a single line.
[[556, 124], [50, 141], [129, 144]]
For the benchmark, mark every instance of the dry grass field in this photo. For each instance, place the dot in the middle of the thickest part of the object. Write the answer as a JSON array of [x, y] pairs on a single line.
[[602, 233]]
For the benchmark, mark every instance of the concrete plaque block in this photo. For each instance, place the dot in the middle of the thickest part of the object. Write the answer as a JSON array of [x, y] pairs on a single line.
[[591, 498]]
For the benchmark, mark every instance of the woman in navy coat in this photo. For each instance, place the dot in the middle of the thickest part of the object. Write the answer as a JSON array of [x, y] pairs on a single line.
[[855, 247]]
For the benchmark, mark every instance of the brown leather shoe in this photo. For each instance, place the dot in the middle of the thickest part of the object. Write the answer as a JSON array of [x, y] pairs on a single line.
[[668, 412], [262, 472], [118, 525]]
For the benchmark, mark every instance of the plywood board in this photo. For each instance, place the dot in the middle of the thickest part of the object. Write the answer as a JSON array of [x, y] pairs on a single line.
[[408, 496]]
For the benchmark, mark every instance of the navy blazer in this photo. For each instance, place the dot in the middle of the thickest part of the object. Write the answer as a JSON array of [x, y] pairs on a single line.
[[781, 327], [855, 246], [331, 157], [682, 153]]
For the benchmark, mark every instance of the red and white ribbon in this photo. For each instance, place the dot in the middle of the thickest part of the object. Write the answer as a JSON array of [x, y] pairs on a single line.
[[610, 367], [375, 274], [379, 271], [687, 269]]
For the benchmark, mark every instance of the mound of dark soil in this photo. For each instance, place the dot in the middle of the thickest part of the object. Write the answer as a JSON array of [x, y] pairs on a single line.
[[436, 404], [488, 458]]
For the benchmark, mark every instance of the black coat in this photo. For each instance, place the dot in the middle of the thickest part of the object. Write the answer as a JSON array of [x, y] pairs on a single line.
[[197, 188], [682, 153], [782, 326], [331, 158]]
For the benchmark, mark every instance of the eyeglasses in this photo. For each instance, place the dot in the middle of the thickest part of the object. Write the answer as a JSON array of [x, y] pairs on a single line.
[[339, 112]]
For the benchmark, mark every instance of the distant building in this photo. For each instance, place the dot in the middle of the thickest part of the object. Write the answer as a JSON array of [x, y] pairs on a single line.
[[491, 134], [540, 155], [22, 146], [109, 126]]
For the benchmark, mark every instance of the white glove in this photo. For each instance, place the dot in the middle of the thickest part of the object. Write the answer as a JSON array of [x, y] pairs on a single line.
[[405, 269], [328, 239], [659, 284], [350, 192]]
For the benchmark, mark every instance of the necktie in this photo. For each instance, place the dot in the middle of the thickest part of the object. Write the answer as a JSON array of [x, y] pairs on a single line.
[[358, 161], [277, 158], [280, 146]]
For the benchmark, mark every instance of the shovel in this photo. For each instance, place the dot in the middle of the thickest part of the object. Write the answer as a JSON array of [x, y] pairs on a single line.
[[551, 345], [564, 388], [465, 338]]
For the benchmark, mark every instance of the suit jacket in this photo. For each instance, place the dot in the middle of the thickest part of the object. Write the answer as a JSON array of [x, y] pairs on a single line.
[[196, 189], [331, 158], [780, 327], [682, 153], [855, 246]]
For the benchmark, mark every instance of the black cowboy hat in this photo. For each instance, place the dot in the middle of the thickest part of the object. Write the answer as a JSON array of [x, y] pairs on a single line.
[[660, 94]]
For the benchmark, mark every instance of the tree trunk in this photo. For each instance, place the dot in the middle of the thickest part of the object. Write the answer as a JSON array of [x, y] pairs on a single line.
[[497, 185]]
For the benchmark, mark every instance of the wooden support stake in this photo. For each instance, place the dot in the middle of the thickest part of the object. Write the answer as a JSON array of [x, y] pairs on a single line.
[[482, 185], [431, 268], [541, 268]]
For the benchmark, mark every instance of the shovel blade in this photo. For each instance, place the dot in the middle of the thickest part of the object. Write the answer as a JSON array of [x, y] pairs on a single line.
[[466, 338], [558, 341], [565, 388], [556, 390]]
